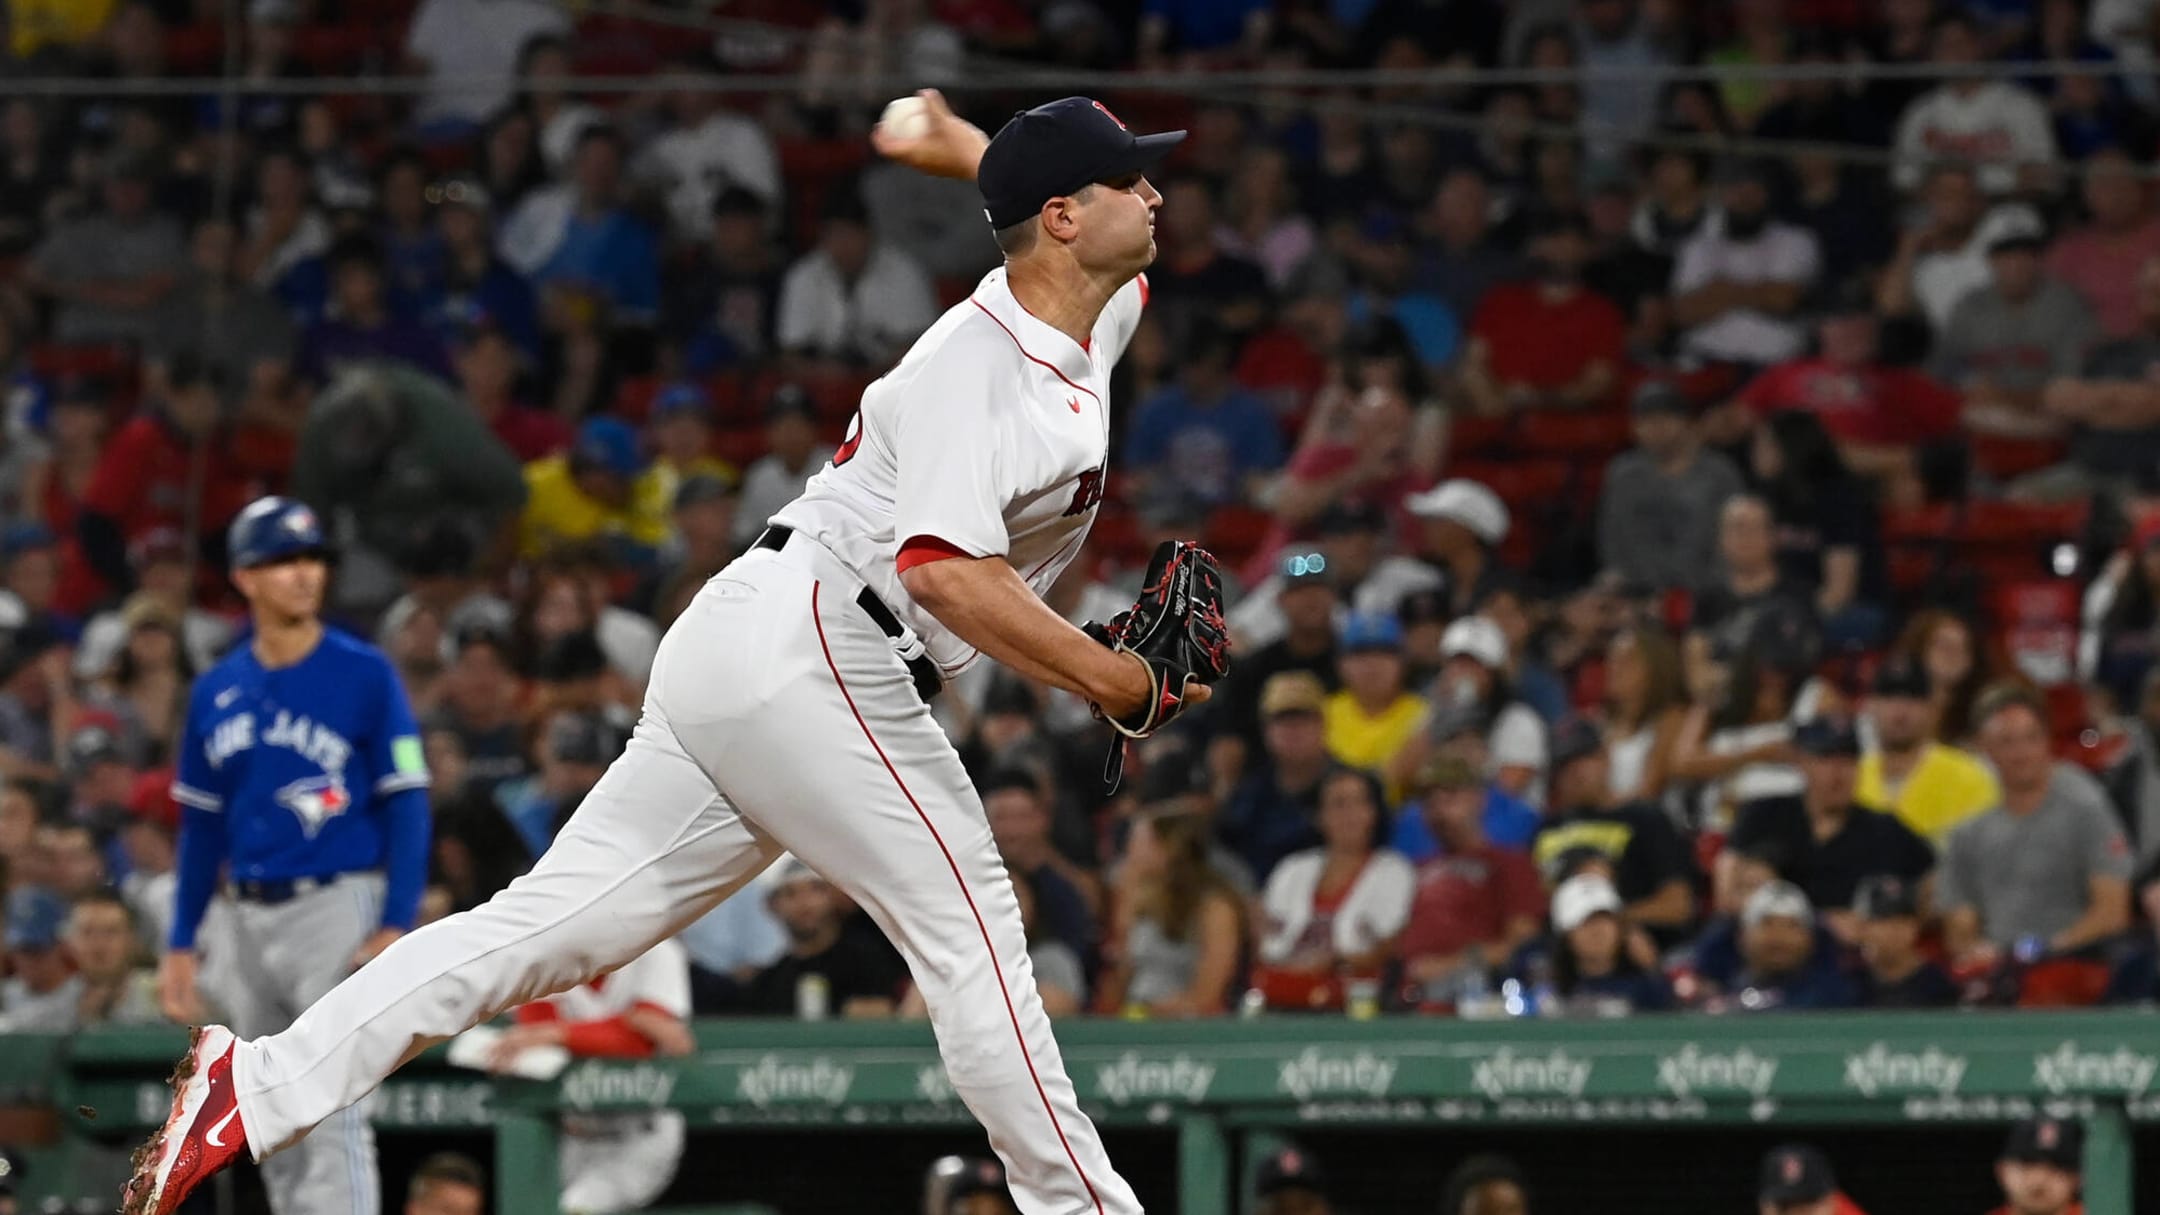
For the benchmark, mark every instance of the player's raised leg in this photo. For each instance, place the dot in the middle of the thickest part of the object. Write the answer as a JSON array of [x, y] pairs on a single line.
[[822, 740], [650, 849]]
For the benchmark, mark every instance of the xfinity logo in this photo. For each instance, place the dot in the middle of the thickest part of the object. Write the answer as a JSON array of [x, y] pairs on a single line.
[[1695, 1070], [1507, 1074], [1133, 1078], [774, 1079], [1879, 1068], [2067, 1069], [1314, 1072], [595, 1084]]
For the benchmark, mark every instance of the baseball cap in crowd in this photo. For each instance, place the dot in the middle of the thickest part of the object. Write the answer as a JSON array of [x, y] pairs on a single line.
[[92, 744], [1291, 692], [1659, 396], [1478, 638], [24, 537], [1290, 1168], [704, 487], [2056, 1141], [1059, 148], [1349, 518], [1469, 503], [1370, 631], [583, 738], [1583, 896], [2018, 238], [682, 397], [790, 400], [609, 445], [34, 918], [976, 1176], [1304, 569], [1795, 1173], [1422, 607], [1445, 773], [1901, 678], [150, 799], [27, 644], [1573, 737], [1777, 900], [1884, 896], [461, 190], [1827, 737], [158, 546]]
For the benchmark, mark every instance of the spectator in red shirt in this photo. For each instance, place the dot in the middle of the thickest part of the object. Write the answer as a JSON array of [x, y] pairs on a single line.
[[142, 481], [1476, 903], [1880, 416], [1550, 343], [487, 363], [2100, 259]]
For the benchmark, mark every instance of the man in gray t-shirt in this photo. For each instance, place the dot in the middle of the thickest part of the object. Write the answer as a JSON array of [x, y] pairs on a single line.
[[2006, 339], [110, 271], [2047, 871]]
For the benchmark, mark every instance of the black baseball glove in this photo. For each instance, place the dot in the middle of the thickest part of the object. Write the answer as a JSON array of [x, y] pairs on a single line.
[[1176, 628]]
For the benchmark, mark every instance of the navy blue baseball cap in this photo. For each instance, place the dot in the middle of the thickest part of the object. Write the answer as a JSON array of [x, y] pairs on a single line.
[[1057, 149]]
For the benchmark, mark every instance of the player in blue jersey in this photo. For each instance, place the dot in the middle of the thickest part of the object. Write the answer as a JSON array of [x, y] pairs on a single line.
[[300, 777]]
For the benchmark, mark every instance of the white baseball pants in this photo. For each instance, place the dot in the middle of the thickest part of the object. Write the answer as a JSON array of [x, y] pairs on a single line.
[[775, 690]]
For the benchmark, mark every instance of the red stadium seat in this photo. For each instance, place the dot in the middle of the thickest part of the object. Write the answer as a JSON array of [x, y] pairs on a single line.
[[2027, 524], [1527, 486], [1234, 533], [1590, 435], [1475, 436], [740, 445], [1920, 525], [2004, 458]]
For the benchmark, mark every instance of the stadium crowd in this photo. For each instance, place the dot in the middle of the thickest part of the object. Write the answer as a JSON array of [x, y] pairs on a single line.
[[1667, 577]]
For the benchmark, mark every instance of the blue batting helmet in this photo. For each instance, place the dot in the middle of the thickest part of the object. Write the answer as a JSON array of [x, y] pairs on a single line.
[[273, 529]]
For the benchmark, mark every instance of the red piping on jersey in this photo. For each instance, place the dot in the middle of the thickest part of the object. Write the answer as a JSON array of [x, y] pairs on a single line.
[[1059, 553], [954, 865], [922, 550], [1029, 357]]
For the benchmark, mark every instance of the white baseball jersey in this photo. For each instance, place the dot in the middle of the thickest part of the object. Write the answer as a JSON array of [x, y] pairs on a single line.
[[991, 438]]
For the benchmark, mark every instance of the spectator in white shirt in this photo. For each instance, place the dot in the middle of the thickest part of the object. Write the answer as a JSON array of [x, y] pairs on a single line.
[[792, 455], [1944, 256], [711, 149], [1976, 118], [468, 50], [1737, 284], [852, 300]]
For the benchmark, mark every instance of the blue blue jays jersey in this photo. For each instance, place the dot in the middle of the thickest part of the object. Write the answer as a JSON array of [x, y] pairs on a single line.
[[299, 760]]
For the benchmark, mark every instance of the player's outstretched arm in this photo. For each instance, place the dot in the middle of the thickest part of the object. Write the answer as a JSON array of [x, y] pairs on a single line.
[[986, 603], [929, 137]]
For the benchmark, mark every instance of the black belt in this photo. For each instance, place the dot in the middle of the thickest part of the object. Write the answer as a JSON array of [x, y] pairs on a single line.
[[928, 680], [271, 892]]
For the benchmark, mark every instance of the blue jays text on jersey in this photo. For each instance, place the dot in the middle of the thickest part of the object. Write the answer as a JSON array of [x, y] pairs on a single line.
[[295, 772]]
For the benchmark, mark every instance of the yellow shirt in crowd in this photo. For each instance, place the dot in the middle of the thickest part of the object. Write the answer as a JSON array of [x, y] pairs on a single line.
[[1358, 739], [558, 512], [39, 23], [1944, 789]]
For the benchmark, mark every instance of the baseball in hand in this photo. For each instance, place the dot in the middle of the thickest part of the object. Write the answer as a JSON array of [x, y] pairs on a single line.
[[906, 118]]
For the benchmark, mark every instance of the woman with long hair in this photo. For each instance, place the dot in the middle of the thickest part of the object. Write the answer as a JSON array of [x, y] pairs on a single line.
[[1375, 431], [1736, 740], [1945, 646], [1178, 928], [150, 679], [1826, 537], [1333, 912], [1587, 959], [1645, 705]]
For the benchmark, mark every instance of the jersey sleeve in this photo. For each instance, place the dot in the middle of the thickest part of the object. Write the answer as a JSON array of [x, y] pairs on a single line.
[[395, 757], [195, 782], [955, 457], [1121, 317]]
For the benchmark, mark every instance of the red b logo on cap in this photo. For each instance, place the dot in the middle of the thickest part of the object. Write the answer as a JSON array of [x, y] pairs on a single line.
[[1112, 117]]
